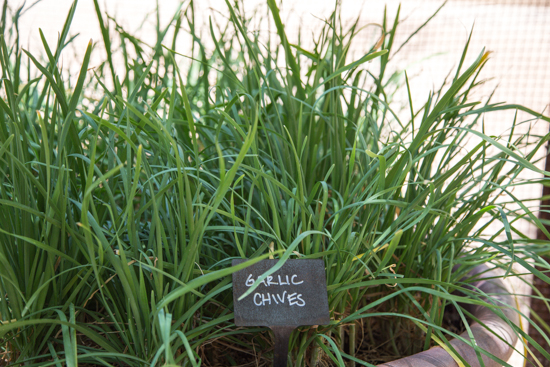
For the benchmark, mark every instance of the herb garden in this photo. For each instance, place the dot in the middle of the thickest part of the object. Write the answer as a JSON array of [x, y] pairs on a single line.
[[120, 217]]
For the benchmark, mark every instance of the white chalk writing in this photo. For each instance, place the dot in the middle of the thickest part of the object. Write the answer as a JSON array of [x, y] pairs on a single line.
[[276, 298]]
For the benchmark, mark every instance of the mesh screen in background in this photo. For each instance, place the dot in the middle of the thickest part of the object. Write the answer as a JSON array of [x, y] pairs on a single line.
[[517, 32]]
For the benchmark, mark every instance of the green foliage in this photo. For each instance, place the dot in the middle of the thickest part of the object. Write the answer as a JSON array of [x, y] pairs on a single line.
[[118, 221]]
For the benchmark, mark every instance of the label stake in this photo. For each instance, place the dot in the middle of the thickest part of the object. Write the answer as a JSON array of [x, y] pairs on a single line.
[[294, 295], [282, 337]]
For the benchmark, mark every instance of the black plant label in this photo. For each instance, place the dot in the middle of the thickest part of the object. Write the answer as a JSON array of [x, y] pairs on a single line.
[[294, 295]]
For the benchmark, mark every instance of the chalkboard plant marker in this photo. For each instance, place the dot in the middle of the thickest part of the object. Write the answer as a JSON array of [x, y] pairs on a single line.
[[294, 295]]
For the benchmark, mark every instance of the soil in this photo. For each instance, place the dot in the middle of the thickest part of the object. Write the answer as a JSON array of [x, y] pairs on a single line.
[[374, 345]]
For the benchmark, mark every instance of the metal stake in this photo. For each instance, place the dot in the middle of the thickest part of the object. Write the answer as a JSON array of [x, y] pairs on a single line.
[[282, 337]]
